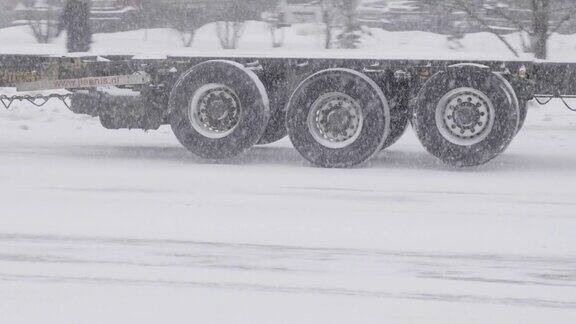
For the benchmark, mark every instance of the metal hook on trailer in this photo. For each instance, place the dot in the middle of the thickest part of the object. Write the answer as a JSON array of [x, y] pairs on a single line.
[[563, 99], [545, 99]]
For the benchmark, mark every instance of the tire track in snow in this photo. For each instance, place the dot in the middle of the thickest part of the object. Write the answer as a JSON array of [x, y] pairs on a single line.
[[295, 290], [468, 278]]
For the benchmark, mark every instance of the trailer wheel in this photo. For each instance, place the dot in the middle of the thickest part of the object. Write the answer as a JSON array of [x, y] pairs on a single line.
[[338, 118], [523, 113], [465, 116], [521, 104], [280, 86], [276, 129], [398, 124], [218, 109], [107, 122]]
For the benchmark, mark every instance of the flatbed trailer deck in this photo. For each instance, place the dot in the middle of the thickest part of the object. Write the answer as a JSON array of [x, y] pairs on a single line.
[[338, 111]]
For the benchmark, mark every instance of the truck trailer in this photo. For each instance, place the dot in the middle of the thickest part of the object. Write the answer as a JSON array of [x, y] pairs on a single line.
[[337, 110]]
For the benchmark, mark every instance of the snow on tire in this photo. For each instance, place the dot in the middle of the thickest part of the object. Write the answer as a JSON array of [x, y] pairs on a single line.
[[218, 109], [338, 118], [465, 116]]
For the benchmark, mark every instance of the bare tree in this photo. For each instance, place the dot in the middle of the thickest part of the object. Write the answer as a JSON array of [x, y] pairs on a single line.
[[351, 32], [277, 32], [339, 17], [186, 21], [231, 17], [276, 18], [43, 22], [329, 20], [229, 33], [545, 17]]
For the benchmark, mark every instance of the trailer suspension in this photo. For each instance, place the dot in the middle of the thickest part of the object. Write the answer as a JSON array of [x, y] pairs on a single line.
[[36, 100], [545, 99]]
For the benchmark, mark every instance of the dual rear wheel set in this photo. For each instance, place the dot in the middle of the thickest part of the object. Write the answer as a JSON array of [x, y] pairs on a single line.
[[336, 118]]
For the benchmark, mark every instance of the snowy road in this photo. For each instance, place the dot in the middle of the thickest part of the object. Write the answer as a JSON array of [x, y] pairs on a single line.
[[102, 226]]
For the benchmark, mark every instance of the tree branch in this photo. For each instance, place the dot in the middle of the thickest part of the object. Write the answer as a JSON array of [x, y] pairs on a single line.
[[466, 8], [518, 24], [562, 20]]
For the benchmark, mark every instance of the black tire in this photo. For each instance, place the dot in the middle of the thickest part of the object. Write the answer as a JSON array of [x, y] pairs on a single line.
[[398, 124], [494, 140], [522, 104], [276, 129], [279, 89], [397, 92], [108, 122], [368, 138], [252, 118], [523, 113]]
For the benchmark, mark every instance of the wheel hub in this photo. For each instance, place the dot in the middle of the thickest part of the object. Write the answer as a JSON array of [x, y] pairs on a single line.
[[465, 116], [218, 109], [338, 120], [214, 110], [335, 120]]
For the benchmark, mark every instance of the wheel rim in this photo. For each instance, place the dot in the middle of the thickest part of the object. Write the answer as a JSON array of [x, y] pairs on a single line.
[[465, 116], [335, 120], [214, 110]]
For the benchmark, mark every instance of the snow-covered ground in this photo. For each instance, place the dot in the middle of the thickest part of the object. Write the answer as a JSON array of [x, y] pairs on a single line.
[[100, 226]]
